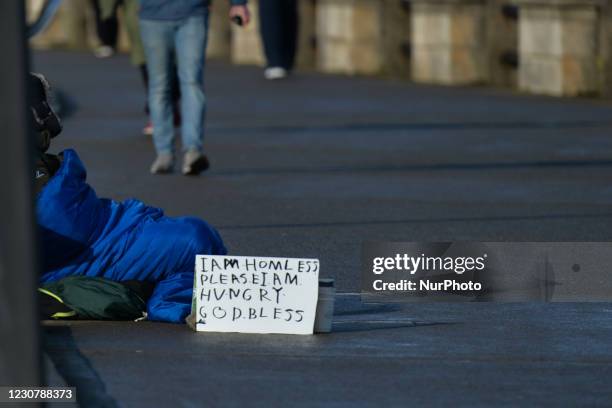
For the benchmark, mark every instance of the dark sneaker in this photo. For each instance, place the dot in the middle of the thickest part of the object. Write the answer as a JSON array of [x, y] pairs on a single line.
[[194, 163]]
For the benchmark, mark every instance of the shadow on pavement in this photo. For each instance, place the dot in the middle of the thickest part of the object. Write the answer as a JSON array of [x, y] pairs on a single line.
[[422, 167], [371, 325], [75, 368]]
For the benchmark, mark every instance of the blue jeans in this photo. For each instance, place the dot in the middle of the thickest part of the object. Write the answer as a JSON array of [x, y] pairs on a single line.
[[184, 40]]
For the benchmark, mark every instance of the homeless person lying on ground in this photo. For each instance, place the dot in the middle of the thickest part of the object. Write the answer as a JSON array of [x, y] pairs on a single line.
[[100, 257]]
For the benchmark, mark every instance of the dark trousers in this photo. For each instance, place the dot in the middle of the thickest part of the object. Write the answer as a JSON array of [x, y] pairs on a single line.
[[279, 28], [107, 29]]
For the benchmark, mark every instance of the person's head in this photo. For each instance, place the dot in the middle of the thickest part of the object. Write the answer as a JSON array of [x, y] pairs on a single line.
[[46, 123]]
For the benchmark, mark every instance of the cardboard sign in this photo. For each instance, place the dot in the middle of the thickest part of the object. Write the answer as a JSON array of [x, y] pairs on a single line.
[[255, 295]]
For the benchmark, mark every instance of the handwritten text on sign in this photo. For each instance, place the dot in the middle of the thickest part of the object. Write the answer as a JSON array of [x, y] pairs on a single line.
[[255, 295]]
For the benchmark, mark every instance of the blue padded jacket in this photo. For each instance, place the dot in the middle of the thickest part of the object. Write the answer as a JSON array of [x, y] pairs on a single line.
[[82, 234]]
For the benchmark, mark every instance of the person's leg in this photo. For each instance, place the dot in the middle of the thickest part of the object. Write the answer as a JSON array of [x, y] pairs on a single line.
[[110, 28], [131, 21], [137, 57], [290, 32], [158, 43], [106, 25], [98, 18], [191, 39], [190, 45], [175, 91], [144, 75], [270, 19]]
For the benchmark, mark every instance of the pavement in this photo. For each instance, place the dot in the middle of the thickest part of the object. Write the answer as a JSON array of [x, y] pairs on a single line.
[[314, 166]]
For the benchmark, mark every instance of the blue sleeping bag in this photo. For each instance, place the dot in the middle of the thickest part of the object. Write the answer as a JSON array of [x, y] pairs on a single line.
[[82, 234]]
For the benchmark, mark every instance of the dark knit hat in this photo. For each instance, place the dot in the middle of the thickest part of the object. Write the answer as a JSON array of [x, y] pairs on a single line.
[[44, 119]]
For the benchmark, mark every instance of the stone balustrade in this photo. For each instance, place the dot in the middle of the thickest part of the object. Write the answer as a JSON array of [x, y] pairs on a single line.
[[363, 36], [448, 41], [559, 46], [554, 47], [502, 43]]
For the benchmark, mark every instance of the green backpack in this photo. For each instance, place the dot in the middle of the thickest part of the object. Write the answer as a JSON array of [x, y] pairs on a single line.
[[95, 299]]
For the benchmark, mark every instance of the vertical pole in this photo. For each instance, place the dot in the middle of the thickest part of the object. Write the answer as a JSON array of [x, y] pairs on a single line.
[[20, 359]]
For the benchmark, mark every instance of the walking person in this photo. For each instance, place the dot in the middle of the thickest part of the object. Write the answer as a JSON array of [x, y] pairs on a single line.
[[176, 31], [108, 10], [107, 29], [279, 30]]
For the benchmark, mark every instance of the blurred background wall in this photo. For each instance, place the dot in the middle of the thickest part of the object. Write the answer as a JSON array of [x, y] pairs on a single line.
[[553, 47]]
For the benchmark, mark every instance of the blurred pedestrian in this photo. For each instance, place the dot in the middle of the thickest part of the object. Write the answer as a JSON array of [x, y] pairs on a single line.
[[176, 30], [279, 30], [108, 9], [107, 29]]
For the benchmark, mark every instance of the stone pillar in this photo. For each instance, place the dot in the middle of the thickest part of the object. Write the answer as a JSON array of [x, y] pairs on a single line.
[[73, 26], [54, 34], [306, 47], [363, 36], [347, 32], [219, 31], [558, 46], [247, 48], [502, 43], [396, 38], [33, 8], [605, 63], [448, 41]]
